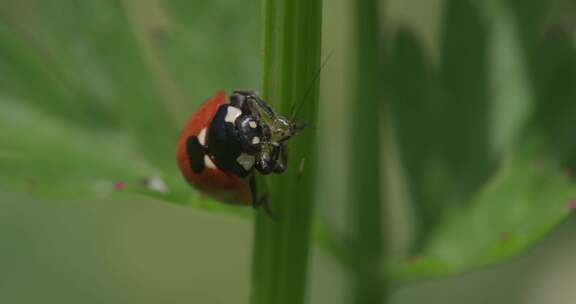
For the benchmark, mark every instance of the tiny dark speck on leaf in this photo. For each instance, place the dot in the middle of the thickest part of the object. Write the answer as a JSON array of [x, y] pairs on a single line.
[[504, 238]]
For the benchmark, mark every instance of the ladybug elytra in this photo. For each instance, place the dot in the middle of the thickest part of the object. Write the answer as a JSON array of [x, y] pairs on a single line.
[[229, 139]]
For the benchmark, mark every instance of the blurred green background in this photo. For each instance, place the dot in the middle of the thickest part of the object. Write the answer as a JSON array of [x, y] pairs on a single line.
[[103, 61]]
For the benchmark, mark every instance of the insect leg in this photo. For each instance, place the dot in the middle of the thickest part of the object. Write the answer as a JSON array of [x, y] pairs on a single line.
[[262, 201], [280, 158], [264, 162]]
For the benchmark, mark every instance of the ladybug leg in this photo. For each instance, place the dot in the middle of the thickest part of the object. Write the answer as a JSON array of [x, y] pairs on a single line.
[[262, 201], [263, 105], [245, 93], [264, 163], [239, 99], [250, 102], [281, 159], [275, 160]]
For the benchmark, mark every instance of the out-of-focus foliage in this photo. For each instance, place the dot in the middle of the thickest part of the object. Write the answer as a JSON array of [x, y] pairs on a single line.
[[485, 135], [93, 93]]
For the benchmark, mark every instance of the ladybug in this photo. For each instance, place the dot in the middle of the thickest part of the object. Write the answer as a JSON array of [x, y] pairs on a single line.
[[227, 140]]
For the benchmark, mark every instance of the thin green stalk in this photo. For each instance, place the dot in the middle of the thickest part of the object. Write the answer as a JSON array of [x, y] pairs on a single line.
[[367, 246], [292, 45]]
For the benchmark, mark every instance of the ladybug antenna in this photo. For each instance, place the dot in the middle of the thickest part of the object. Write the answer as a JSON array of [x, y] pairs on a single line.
[[297, 108]]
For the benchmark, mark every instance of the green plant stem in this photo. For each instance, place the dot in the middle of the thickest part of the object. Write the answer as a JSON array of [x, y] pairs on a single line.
[[365, 206], [292, 47]]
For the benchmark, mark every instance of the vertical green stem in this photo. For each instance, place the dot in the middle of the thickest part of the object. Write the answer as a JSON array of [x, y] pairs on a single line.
[[367, 250], [292, 45]]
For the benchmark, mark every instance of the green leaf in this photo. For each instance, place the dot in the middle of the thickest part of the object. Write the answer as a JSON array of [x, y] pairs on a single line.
[[511, 90], [522, 203], [87, 101], [555, 75], [441, 115], [228, 33], [483, 191], [51, 158]]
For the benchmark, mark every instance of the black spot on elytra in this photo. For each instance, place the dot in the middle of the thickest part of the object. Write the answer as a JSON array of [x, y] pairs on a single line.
[[195, 153]]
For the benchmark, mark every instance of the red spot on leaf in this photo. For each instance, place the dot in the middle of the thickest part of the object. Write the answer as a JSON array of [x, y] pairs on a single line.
[[572, 205], [504, 238], [568, 173], [119, 186]]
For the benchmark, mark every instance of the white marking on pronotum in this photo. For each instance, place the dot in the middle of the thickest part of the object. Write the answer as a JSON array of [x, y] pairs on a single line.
[[208, 162], [202, 137], [253, 124], [246, 161], [255, 140], [231, 114]]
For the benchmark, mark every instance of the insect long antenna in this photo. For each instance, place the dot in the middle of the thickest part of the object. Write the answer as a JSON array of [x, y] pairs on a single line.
[[297, 108]]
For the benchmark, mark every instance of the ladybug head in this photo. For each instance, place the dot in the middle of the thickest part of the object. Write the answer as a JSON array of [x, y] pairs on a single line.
[[282, 129], [262, 133], [278, 128]]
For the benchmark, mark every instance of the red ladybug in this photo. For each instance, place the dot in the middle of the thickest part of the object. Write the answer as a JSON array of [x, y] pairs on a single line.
[[227, 140]]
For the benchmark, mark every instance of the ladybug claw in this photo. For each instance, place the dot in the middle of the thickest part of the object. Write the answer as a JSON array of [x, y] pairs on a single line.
[[264, 203], [279, 168]]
